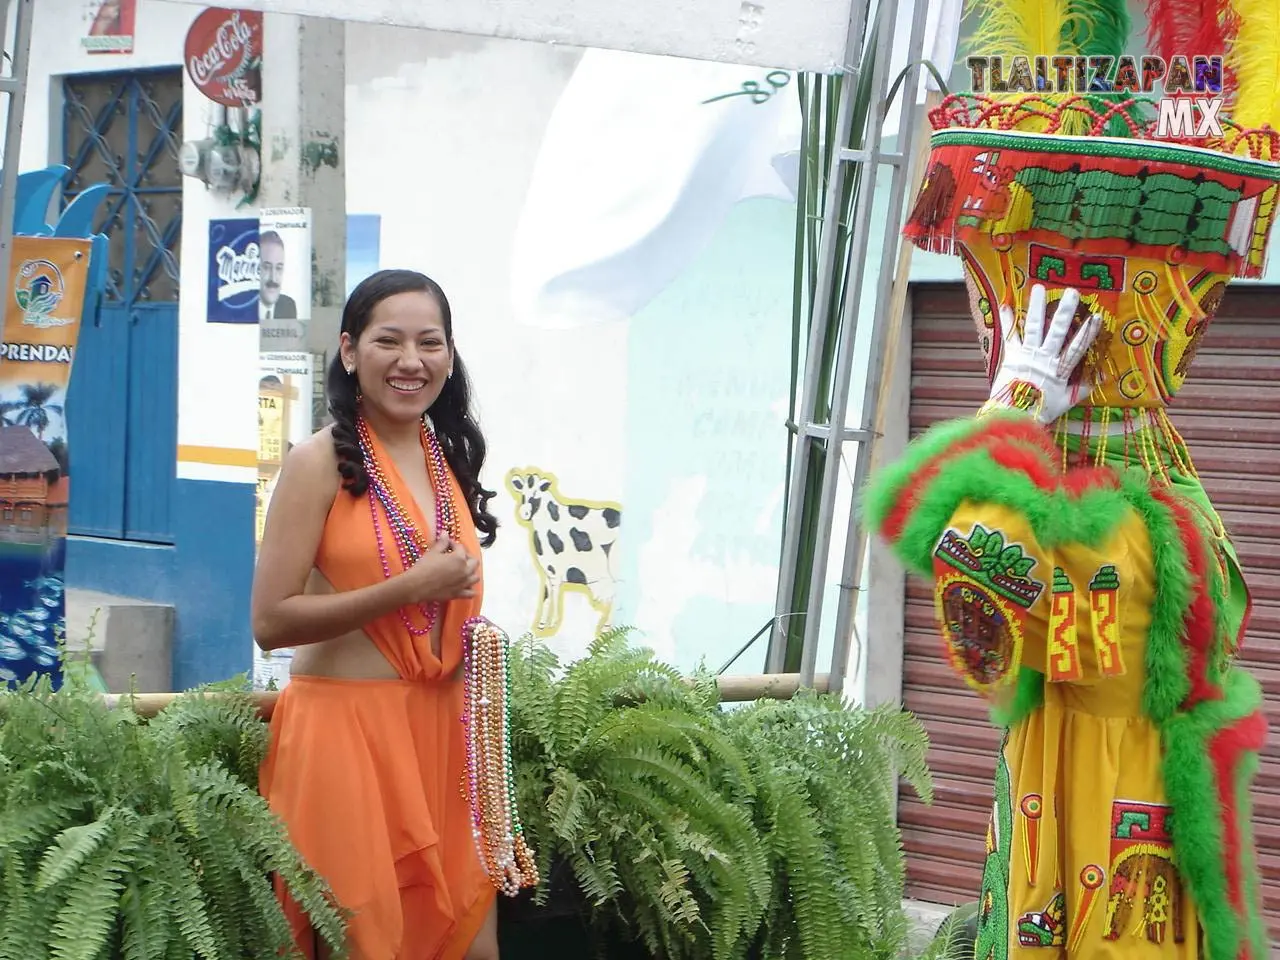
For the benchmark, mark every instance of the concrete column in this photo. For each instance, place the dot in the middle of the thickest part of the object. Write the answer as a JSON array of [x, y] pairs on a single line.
[[303, 120], [886, 579]]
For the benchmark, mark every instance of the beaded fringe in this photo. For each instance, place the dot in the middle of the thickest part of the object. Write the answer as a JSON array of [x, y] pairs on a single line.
[[1150, 441], [1093, 115], [1103, 196], [490, 777]]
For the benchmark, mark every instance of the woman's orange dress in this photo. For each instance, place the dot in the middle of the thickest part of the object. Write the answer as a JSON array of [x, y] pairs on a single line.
[[369, 775]]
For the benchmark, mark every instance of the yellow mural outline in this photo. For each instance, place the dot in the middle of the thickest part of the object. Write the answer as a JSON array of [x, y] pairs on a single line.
[[556, 602]]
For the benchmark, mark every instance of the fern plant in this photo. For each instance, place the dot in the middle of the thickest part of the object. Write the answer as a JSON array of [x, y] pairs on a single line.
[[768, 831], [827, 806], [623, 775], [125, 839]]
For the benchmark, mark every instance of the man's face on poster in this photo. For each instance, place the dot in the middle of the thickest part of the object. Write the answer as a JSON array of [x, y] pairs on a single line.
[[270, 270]]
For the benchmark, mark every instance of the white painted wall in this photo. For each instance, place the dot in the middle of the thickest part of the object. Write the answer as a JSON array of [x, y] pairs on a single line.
[[442, 135], [451, 201], [656, 379], [209, 414], [218, 368], [672, 409]]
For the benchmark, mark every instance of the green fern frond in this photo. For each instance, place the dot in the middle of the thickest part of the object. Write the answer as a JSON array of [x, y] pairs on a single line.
[[73, 846], [87, 917], [145, 930], [766, 830], [127, 839]]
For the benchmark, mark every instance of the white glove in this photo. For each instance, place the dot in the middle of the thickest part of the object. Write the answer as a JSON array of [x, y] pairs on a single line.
[[1034, 368]]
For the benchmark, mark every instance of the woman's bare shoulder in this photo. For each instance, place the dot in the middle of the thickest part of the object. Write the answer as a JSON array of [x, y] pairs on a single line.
[[314, 461]]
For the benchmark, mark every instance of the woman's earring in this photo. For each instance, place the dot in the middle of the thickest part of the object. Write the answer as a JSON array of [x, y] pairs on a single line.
[[351, 369]]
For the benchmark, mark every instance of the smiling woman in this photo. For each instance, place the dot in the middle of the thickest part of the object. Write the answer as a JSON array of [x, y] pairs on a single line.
[[370, 566]]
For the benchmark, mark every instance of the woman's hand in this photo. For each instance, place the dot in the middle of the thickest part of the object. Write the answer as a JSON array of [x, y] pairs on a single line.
[[444, 572]]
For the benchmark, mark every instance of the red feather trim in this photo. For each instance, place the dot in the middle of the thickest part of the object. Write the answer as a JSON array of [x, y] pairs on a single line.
[[1225, 748], [1171, 24], [1198, 625], [1027, 432], [1190, 28], [1027, 460], [1023, 446]]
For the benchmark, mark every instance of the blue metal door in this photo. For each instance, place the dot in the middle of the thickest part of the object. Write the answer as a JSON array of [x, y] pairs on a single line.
[[123, 129]]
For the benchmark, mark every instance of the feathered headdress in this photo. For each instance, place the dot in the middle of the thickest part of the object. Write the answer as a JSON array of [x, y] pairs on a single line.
[[1099, 189], [1245, 34]]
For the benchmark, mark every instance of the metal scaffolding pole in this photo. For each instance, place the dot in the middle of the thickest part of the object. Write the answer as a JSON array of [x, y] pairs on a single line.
[[15, 85], [835, 432]]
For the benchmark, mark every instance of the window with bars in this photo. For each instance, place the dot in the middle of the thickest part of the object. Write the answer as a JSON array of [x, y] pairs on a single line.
[[124, 129]]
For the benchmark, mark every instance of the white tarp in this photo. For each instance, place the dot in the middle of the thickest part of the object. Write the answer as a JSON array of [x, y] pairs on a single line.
[[636, 172], [788, 34]]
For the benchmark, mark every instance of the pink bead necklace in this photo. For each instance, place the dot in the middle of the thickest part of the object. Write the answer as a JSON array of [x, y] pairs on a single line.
[[409, 541], [490, 780]]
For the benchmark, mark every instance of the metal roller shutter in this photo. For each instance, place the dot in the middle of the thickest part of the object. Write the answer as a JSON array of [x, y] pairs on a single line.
[[1229, 413]]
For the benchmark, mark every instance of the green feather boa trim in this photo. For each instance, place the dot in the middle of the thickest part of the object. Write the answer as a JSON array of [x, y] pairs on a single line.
[[1191, 789], [1166, 659], [1257, 929], [1028, 697], [1056, 518], [882, 492]]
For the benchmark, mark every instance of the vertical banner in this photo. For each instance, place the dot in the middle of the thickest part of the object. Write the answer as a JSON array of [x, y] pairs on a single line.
[[286, 385], [287, 374], [284, 307], [111, 26], [45, 301], [233, 271], [291, 381]]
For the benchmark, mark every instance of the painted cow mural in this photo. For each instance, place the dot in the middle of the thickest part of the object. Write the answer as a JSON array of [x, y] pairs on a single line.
[[572, 542]]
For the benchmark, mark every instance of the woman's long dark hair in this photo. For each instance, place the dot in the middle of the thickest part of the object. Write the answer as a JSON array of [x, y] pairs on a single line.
[[455, 426]]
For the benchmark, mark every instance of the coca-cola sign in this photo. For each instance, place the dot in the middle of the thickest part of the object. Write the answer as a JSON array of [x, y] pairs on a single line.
[[224, 55]]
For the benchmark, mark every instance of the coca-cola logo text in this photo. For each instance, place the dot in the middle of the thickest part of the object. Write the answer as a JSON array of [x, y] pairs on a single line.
[[223, 53], [232, 38]]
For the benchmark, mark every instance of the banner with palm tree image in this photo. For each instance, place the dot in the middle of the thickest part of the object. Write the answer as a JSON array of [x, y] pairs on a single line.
[[43, 307]]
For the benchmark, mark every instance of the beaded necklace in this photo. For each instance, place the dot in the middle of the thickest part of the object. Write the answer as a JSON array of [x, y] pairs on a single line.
[[490, 776], [488, 783], [410, 543]]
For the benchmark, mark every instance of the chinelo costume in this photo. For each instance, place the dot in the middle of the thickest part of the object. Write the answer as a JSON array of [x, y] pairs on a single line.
[[1084, 583]]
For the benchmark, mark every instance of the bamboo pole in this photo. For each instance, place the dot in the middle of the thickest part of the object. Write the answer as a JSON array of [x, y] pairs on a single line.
[[767, 686], [902, 282], [893, 337], [149, 704], [733, 689]]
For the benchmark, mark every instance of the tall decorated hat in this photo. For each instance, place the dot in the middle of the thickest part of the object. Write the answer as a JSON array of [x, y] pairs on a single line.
[[1146, 182]]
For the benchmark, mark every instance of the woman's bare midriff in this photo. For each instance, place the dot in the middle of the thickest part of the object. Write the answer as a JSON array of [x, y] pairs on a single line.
[[352, 656]]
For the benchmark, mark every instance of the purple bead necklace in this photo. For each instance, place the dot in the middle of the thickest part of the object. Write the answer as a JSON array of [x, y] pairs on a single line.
[[409, 541]]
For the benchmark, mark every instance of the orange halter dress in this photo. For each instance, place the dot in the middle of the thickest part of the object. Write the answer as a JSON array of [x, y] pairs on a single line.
[[369, 775]]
